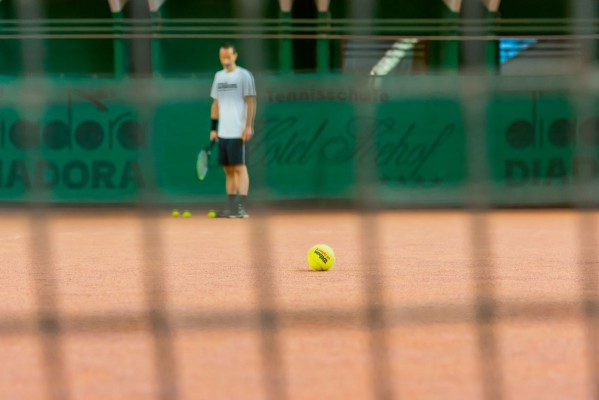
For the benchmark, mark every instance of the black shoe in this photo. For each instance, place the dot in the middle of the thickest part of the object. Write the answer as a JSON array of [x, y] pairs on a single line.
[[241, 213], [222, 213]]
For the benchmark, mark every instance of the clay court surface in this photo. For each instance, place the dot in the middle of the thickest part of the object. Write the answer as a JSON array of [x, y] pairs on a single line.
[[213, 275]]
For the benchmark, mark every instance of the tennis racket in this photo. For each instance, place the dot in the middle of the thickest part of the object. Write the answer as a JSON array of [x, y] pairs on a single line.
[[203, 158]]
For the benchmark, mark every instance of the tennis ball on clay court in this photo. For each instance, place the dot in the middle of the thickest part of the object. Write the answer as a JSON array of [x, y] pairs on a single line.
[[321, 257], [186, 214], [176, 213], [212, 214]]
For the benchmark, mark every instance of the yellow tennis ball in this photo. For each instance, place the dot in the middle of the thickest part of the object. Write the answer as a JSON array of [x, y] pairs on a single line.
[[176, 213], [212, 214], [321, 257], [186, 214]]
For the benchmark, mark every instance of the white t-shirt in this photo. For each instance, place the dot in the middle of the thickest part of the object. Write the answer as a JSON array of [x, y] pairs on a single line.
[[230, 88]]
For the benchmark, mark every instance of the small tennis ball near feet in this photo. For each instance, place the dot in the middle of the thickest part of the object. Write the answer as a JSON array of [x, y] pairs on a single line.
[[212, 214], [176, 213], [186, 214], [321, 257]]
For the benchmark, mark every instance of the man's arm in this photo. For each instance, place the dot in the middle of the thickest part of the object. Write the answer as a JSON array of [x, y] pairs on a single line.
[[214, 109], [214, 117], [248, 132]]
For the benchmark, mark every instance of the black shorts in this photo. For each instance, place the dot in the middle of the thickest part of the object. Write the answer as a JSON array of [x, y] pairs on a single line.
[[231, 152]]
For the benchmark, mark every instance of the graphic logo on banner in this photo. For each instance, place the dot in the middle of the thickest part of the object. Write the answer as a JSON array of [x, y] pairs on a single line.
[[97, 150], [560, 152], [400, 153]]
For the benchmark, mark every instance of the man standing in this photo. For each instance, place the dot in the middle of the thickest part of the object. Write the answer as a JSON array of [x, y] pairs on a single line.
[[232, 113]]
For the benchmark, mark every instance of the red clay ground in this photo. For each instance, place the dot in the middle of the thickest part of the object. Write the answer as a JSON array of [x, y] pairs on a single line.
[[215, 267]]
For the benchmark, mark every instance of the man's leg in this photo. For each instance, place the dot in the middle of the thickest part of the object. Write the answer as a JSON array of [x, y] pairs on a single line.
[[232, 186], [243, 185], [243, 179], [232, 181], [237, 159]]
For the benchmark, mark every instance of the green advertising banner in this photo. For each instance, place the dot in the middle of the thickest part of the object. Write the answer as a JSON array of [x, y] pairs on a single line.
[[403, 139], [77, 145]]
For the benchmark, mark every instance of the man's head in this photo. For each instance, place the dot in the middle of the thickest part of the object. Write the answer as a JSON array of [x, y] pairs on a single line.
[[228, 55]]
